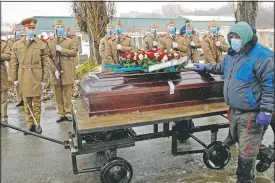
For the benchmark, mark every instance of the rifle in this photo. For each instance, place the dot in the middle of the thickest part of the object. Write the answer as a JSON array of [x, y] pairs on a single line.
[[216, 50], [191, 52], [118, 51], [174, 38], [58, 65]]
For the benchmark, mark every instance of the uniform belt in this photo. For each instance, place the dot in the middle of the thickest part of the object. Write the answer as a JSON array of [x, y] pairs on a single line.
[[30, 66], [241, 111]]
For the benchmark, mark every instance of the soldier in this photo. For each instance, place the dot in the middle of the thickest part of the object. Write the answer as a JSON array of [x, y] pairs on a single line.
[[5, 56], [116, 45], [151, 41], [29, 65], [213, 44], [171, 40], [17, 35], [70, 34], [193, 42], [67, 49], [102, 43]]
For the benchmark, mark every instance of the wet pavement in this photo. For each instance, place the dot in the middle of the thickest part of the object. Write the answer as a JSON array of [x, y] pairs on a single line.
[[27, 159]]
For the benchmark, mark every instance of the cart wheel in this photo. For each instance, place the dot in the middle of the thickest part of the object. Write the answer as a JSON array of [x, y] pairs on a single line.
[[116, 170], [216, 155], [181, 128]]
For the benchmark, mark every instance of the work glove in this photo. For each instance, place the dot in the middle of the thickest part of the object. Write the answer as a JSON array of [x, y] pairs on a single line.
[[118, 46], [218, 43], [192, 44], [16, 83], [43, 85], [56, 73], [155, 43], [175, 45], [200, 67], [58, 48], [263, 118]]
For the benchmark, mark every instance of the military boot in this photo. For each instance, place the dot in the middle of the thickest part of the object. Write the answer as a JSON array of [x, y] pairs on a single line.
[[29, 128], [60, 119], [21, 103], [266, 157], [245, 170]]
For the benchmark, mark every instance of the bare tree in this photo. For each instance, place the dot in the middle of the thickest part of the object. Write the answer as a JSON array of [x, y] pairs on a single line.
[[246, 11], [172, 10], [92, 18]]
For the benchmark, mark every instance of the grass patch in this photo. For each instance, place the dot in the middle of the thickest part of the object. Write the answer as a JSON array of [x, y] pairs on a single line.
[[85, 68]]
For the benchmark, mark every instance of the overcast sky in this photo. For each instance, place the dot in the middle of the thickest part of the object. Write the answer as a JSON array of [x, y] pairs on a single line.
[[16, 11]]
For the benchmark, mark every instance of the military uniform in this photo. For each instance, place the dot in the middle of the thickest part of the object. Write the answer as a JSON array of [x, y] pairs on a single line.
[[148, 40], [192, 52], [213, 53], [29, 65], [19, 96], [166, 42], [63, 94], [111, 52], [5, 56]]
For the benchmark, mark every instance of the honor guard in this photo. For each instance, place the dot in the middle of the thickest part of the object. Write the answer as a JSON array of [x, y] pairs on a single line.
[[151, 41], [117, 44], [213, 44], [17, 35], [102, 43], [171, 40], [29, 64], [192, 42], [62, 52], [5, 57]]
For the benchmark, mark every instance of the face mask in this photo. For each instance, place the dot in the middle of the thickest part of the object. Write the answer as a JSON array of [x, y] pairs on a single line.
[[60, 31], [188, 32], [68, 33], [172, 30], [17, 34], [110, 32], [236, 44], [214, 30], [153, 31], [119, 31], [30, 34]]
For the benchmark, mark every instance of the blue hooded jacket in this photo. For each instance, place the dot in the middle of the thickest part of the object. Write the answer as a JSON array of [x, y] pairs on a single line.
[[249, 74]]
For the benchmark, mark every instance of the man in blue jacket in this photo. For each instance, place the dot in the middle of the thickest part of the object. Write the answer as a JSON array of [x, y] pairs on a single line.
[[248, 71], [182, 29]]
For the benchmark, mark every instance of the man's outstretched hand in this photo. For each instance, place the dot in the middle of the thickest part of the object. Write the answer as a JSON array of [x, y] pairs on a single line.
[[200, 67]]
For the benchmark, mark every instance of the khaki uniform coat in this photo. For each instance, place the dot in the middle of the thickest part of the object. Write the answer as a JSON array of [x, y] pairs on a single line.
[[148, 41], [5, 56], [195, 53], [11, 41], [111, 51], [102, 43], [166, 43], [67, 57], [29, 65], [210, 51], [76, 62]]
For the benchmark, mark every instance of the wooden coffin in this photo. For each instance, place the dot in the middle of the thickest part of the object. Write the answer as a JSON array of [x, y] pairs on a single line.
[[112, 93]]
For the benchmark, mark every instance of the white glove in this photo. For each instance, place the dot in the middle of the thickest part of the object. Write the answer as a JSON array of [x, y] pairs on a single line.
[[58, 48], [155, 43], [56, 73], [118, 46], [192, 43], [43, 85], [16, 83], [175, 45], [218, 43]]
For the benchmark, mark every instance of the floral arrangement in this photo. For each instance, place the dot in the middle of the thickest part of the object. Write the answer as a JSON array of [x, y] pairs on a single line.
[[148, 57]]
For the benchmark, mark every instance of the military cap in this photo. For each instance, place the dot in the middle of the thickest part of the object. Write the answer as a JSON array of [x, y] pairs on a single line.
[[213, 23], [57, 22], [154, 25], [118, 23], [109, 26], [171, 22], [29, 22]]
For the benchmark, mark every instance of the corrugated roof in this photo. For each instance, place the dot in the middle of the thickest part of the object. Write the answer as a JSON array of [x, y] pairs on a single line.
[[209, 18]]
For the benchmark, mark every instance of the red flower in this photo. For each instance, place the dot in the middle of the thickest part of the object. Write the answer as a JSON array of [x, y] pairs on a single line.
[[150, 56], [124, 55]]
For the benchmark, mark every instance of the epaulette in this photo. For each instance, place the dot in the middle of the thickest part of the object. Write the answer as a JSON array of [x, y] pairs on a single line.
[[44, 40], [128, 36], [221, 35]]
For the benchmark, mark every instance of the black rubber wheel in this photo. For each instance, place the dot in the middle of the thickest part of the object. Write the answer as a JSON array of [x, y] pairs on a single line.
[[216, 155], [181, 127], [116, 170]]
